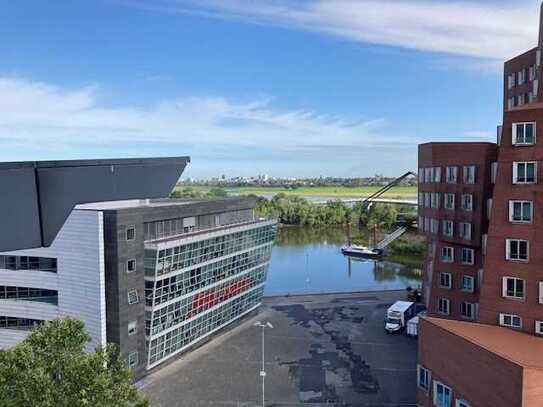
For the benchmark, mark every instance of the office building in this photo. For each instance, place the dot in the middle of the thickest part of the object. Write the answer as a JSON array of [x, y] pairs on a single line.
[[154, 277]]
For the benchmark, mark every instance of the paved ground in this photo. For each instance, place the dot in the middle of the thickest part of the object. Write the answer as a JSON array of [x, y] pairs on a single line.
[[324, 350]]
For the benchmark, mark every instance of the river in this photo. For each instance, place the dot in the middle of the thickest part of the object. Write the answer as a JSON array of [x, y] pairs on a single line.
[[308, 260]]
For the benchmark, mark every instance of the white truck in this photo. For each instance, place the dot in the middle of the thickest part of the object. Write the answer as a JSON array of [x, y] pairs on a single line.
[[398, 314], [413, 324]]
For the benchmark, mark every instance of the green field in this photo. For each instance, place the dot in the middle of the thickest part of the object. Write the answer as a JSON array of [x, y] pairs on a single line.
[[328, 192]]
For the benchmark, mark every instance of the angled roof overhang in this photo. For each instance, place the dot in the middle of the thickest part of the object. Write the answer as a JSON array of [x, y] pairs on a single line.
[[37, 197]]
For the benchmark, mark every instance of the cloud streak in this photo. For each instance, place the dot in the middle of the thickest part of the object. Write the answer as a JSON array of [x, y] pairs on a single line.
[[467, 28]]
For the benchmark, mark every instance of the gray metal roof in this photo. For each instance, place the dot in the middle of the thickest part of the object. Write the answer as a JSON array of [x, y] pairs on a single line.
[[37, 197]]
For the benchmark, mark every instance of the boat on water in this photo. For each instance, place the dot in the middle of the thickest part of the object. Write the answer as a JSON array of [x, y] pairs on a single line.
[[361, 251]]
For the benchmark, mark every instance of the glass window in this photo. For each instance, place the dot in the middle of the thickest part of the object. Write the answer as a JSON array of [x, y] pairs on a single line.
[[131, 233], [443, 306], [423, 378], [524, 172], [468, 283], [517, 250], [447, 254], [523, 133], [132, 328], [462, 403], [448, 228], [131, 265], [451, 174], [133, 297], [133, 359], [520, 211], [467, 202], [468, 310], [442, 395], [445, 280], [469, 174], [512, 321], [449, 201], [513, 287], [468, 256], [434, 196], [465, 230]]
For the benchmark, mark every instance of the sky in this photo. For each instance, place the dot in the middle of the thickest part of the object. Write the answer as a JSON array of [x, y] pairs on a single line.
[[287, 88]]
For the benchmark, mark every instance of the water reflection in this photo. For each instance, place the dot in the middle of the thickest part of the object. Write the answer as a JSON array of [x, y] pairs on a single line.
[[308, 260]]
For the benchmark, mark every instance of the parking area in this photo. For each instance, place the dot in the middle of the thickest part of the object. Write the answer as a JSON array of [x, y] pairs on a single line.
[[324, 350]]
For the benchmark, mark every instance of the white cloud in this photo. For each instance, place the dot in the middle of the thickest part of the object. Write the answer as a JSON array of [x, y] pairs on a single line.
[[40, 114], [468, 28]]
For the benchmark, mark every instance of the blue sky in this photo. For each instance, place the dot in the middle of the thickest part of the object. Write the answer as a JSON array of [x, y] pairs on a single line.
[[285, 87]]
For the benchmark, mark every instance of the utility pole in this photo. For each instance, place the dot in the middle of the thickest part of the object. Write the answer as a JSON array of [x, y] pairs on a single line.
[[263, 325]]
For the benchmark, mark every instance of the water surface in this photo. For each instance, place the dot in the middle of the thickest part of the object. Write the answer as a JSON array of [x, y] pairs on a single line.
[[309, 260]]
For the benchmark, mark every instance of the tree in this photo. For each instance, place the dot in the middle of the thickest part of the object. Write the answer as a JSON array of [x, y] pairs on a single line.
[[50, 368]]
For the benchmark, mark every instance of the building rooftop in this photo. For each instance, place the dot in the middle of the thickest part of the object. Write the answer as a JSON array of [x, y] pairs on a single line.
[[151, 203], [517, 347]]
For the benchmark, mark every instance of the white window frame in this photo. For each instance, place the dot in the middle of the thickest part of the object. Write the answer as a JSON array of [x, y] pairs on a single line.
[[467, 170], [131, 227], [421, 199], [427, 200], [449, 201], [427, 175], [469, 234], [449, 249], [467, 249], [434, 200], [515, 141], [512, 204], [443, 300], [471, 306], [503, 316], [508, 250], [516, 281], [451, 174], [428, 376], [435, 394], [132, 328], [540, 292], [448, 228], [539, 327], [448, 277], [463, 286], [133, 359], [462, 403], [470, 206], [128, 265], [421, 175], [137, 297], [436, 174], [434, 226], [515, 172]]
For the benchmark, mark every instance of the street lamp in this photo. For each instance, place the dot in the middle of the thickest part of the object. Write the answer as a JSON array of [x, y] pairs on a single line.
[[263, 325]]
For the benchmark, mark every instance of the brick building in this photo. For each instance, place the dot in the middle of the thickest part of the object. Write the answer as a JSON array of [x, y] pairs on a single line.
[[484, 269]]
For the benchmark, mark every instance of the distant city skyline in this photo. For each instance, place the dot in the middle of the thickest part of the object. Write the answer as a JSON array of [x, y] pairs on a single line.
[[284, 88]]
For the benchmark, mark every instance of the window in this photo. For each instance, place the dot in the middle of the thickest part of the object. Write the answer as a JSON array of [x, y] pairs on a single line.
[[426, 224], [437, 174], [131, 233], [511, 81], [443, 306], [133, 359], [521, 99], [520, 211], [451, 173], [130, 265], [421, 175], [421, 199], [467, 202], [523, 134], [467, 284], [469, 174], [427, 175], [541, 292], [468, 256], [510, 103], [445, 280], [521, 77], [517, 250], [465, 230], [447, 254], [442, 395], [132, 328], [434, 200], [423, 378], [448, 228], [512, 321], [434, 226], [531, 72], [539, 327], [427, 199], [462, 403], [133, 297], [513, 288], [467, 310], [449, 201], [524, 172]]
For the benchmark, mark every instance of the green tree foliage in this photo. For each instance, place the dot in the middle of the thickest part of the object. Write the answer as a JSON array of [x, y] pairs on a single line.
[[191, 193], [217, 193], [51, 369]]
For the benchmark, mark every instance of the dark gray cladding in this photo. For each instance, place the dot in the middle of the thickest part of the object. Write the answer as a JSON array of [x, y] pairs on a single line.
[[37, 197]]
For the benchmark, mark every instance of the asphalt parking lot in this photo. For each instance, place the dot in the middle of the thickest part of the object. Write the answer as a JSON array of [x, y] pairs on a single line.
[[324, 350]]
